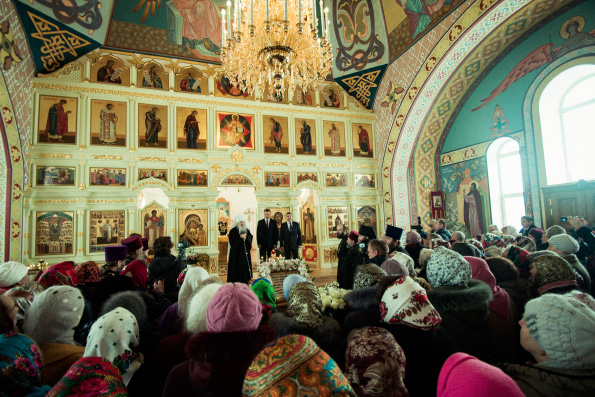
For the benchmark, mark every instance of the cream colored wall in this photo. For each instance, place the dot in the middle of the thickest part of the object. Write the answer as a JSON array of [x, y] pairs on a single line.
[[83, 198]]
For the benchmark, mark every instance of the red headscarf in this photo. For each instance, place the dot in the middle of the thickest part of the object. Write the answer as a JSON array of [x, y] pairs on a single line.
[[481, 271], [137, 271], [60, 274], [88, 272]]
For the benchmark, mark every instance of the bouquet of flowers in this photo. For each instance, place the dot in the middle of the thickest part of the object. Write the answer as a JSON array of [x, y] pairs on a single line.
[[278, 264], [332, 296]]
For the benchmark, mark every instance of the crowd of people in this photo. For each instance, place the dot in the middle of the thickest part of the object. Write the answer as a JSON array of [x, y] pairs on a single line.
[[507, 313]]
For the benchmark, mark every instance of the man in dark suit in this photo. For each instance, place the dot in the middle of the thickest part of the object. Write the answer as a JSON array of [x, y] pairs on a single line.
[[267, 235], [291, 237]]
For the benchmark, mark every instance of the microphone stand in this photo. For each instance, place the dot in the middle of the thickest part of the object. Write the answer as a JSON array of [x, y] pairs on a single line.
[[247, 258]]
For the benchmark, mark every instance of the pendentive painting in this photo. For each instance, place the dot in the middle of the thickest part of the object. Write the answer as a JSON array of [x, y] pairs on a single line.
[[366, 215], [365, 180], [153, 223], [146, 173], [193, 225], [152, 126], [191, 128], [107, 176], [108, 122], [191, 80], [110, 70], [277, 179], [362, 140], [55, 176], [276, 139], [305, 136], [151, 75], [336, 180], [336, 216], [54, 233], [106, 228], [195, 178], [334, 138], [57, 119], [235, 129], [331, 98]]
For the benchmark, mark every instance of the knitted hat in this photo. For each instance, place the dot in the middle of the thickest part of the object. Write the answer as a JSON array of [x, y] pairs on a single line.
[[234, 308], [393, 232], [145, 242], [11, 273], [265, 292], [196, 321], [368, 276], [565, 243], [510, 230], [537, 234], [305, 305], [115, 253], [87, 272], [412, 237], [291, 364], [382, 371], [353, 235], [405, 302], [133, 243], [20, 366], [395, 267], [465, 375], [129, 300], [137, 271], [289, 282], [53, 315], [61, 274], [91, 376], [194, 276], [447, 268], [552, 272], [565, 328]]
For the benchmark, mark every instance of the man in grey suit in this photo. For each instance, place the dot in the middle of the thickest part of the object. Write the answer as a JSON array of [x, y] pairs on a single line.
[[291, 237]]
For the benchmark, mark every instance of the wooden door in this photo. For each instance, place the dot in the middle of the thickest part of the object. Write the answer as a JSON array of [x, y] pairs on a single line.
[[577, 199]]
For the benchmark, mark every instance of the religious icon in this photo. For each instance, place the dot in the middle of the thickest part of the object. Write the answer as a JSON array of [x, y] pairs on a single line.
[[334, 138], [193, 178], [145, 173], [365, 180], [152, 125], [57, 176], [336, 180], [237, 180], [54, 233], [191, 127], [275, 96], [304, 98], [276, 179], [305, 136], [234, 129], [190, 79], [106, 228], [151, 75], [336, 216], [194, 226], [107, 176], [222, 211], [226, 88], [307, 176], [278, 214], [153, 218], [108, 122], [308, 225], [366, 215], [278, 141], [110, 70], [362, 140], [57, 119], [330, 98], [437, 201]]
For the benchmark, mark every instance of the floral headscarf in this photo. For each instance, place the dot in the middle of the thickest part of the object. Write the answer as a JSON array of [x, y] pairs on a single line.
[[20, 366], [60, 274], [412, 237], [406, 302], [91, 376], [265, 292], [305, 305], [88, 272], [477, 244], [115, 337], [519, 257], [449, 268], [137, 271], [368, 276], [295, 365], [481, 271], [490, 239], [375, 363]]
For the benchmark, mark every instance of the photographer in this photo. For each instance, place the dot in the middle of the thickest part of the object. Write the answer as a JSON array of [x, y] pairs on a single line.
[[165, 267], [354, 258]]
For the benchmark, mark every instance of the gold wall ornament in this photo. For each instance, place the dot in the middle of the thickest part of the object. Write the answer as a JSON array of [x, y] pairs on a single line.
[[274, 199], [199, 161], [281, 163], [26, 235], [156, 159], [80, 234], [82, 146], [106, 201], [216, 168], [308, 164], [191, 200], [365, 165], [82, 186], [336, 165], [237, 156], [106, 157], [256, 169], [131, 149], [58, 201], [151, 181], [55, 155]]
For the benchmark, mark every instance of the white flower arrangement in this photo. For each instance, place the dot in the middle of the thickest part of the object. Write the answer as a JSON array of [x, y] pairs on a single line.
[[332, 296], [279, 264]]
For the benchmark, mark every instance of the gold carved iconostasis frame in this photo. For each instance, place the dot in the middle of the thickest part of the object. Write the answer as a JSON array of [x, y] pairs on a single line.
[[110, 176]]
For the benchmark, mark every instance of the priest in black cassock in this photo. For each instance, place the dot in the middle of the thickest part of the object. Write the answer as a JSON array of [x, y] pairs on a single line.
[[239, 264]]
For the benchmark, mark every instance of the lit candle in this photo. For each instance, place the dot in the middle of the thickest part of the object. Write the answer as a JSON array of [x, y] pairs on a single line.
[[235, 14], [229, 15], [266, 18], [321, 17], [313, 14], [223, 27], [299, 11], [240, 16], [325, 27], [251, 12], [285, 12]]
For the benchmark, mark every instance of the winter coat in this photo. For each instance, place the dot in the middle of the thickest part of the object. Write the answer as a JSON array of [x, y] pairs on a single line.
[[57, 359], [217, 363], [519, 292], [413, 250], [346, 272], [377, 260], [536, 381], [583, 279], [465, 314], [505, 336], [166, 268], [444, 233]]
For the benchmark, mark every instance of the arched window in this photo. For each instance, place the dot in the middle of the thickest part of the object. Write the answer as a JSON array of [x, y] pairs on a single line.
[[566, 109], [506, 182]]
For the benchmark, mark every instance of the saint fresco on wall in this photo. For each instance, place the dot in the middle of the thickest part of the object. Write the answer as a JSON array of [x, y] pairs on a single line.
[[307, 176], [334, 138], [305, 136], [193, 225], [57, 119], [277, 179], [366, 216], [108, 122], [276, 139], [152, 126], [54, 233], [151, 75], [330, 97], [191, 128], [107, 176], [146, 173], [106, 228], [362, 140], [237, 180], [56, 176], [191, 80], [110, 70], [304, 98], [336, 180], [193, 178], [336, 216], [365, 180], [153, 223], [235, 129], [225, 88]]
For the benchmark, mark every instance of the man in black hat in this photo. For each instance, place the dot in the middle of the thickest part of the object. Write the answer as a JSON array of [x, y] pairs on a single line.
[[392, 236]]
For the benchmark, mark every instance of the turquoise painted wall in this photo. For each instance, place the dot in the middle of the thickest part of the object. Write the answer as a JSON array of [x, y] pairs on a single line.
[[470, 128]]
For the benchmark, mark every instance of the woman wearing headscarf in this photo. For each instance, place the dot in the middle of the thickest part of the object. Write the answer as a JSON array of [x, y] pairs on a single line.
[[520, 258], [368, 275], [88, 276], [50, 321], [289, 282], [13, 274], [265, 292], [551, 274], [60, 274], [115, 337], [525, 243], [166, 268], [219, 358], [375, 363], [413, 246], [536, 235], [293, 363], [463, 303], [304, 316], [507, 277], [20, 367], [91, 376], [504, 317]]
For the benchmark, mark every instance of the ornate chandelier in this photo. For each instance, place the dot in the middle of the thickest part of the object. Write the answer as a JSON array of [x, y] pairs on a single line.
[[275, 42]]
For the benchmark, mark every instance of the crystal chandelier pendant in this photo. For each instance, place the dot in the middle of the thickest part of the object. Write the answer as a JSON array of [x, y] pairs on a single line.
[[276, 42]]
